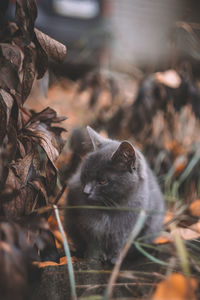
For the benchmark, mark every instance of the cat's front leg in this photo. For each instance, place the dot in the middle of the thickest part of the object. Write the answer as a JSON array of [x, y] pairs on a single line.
[[111, 255], [105, 259], [92, 251]]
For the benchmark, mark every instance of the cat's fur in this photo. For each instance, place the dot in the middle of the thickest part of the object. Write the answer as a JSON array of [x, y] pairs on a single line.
[[115, 174]]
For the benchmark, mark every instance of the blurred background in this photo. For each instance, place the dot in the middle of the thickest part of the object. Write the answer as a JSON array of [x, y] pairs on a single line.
[[121, 35]]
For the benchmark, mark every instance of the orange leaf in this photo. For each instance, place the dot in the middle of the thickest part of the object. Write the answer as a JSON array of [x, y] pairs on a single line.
[[168, 216], [176, 287], [52, 222], [45, 264], [174, 147], [63, 260], [162, 240], [180, 167], [58, 238], [195, 208]]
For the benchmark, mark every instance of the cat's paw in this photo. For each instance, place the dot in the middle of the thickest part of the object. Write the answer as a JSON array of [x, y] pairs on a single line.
[[103, 258], [108, 259], [113, 260]]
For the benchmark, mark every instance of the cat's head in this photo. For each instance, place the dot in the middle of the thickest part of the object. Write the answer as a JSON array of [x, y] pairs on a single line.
[[108, 173]]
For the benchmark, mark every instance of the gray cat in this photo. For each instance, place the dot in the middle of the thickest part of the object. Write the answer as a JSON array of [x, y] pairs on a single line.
[[115, 174]]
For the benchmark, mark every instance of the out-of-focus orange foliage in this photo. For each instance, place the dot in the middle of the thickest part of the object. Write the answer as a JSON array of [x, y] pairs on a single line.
[[53, 222], [53, 225], [162, 240], [45, 264], [175, 147], [189, 233], [168, 216], [169, 78], [63, 260], [165, 238], [180, 167], [176, 287], [195, 208]]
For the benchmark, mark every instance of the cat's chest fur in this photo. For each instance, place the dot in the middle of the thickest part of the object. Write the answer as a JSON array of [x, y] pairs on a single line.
[[112, 177]]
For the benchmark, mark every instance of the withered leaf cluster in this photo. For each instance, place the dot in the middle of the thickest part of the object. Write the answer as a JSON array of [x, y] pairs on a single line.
[[29, 142]]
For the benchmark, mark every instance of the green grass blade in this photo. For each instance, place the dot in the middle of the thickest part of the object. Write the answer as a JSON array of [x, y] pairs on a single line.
[[152, 258], [181, 251], [134, 233], [67, 252]]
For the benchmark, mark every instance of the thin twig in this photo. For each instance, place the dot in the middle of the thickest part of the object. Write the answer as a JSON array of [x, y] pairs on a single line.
[[136, 230], [90, 287], [181, 251], [67, 252], [60, 194]]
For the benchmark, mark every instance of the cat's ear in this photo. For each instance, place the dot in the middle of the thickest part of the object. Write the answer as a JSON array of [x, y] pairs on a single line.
[[125, 156], [96, 139]]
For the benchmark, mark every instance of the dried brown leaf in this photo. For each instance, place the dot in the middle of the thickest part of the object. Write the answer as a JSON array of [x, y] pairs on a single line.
[[39, 129], [29, 71], [54, 49], [26, 168], [28, 176], [10, 61], [39, 185], [25, 15], [44, 138], [35, 59], [3, 119], [51, 177], [16, 197], [8, 100], [47, 115], [12, 54]]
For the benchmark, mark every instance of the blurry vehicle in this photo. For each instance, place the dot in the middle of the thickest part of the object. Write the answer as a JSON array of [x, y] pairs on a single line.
[[79, 24]]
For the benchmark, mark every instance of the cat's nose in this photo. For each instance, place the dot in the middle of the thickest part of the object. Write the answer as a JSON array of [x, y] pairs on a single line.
[[88, 188]]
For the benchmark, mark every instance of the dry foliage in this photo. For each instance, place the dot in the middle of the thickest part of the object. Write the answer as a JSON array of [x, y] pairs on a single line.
[[176, 287], [30, 143]]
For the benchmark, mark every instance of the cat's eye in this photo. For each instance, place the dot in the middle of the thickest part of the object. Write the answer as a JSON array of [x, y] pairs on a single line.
[[102, 182]]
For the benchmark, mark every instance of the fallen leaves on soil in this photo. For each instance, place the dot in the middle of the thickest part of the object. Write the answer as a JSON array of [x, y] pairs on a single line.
[[176, 287]]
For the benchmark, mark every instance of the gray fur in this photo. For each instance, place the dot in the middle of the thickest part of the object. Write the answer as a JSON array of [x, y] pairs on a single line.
[[111, 178]]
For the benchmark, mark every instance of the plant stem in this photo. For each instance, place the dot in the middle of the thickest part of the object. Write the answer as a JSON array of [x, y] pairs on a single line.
[[134, 233], [67, 252]]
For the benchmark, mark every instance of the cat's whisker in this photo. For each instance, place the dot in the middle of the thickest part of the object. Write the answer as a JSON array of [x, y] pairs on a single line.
[[111, 202], [105, 203]]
